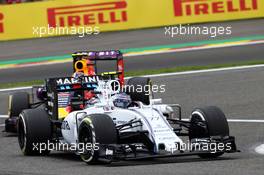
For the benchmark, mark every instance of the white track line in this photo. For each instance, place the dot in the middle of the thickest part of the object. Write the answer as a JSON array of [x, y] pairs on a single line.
[[3, 116], [168, 74], [238, 120], [15, 89], [244, 121], [260, 149], [186, 119], [205, 71]]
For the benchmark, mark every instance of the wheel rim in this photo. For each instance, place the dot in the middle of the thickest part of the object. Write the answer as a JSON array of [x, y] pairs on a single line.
[[199, 126], [85, 137], [199, 122]]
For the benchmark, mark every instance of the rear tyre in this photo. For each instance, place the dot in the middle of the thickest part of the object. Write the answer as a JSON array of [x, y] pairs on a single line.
[[206, 122], [139, 89], [94, 129], [17, 103], [34, 131]]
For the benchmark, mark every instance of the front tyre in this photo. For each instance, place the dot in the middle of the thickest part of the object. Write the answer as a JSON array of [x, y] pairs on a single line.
[[207, 122], [34, 131], [96, 130], [17, 103]]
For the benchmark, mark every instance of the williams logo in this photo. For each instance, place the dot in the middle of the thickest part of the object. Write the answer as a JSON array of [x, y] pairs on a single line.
[[1, 23], [90, 14], [207, 7]]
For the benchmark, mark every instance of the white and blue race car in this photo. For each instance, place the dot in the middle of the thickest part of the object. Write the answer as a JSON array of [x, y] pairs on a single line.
[[116, 123]]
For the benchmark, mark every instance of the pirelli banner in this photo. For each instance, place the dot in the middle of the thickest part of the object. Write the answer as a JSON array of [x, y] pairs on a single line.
[[56, 17]]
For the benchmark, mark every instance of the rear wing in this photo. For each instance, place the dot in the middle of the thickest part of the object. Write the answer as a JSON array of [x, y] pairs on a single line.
[[86, 62], [98, 55], [59, 92]]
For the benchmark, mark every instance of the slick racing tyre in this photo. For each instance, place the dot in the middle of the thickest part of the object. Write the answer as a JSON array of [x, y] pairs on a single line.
[[207, 122], [17, 103], [96, 129], [34, 131], [140, 89]]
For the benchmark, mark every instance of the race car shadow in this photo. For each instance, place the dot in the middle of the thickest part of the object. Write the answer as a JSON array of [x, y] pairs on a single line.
[[151, 161], [167, 161], [65, 156]]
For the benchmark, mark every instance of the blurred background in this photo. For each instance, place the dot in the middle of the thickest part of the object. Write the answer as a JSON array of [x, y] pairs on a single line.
[[37, 38], [155, 36]]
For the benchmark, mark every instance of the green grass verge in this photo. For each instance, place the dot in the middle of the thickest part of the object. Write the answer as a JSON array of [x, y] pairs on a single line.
[[146, 72]]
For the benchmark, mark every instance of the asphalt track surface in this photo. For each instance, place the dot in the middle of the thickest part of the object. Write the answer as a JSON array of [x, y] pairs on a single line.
[[238, 92], [14, 50]]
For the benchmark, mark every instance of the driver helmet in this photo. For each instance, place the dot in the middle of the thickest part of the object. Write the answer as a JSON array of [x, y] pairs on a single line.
[[77, 75], [122, 100]]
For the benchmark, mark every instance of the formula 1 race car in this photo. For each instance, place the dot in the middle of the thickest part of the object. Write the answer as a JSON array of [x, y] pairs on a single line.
[[103, 119], [84, 62]]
